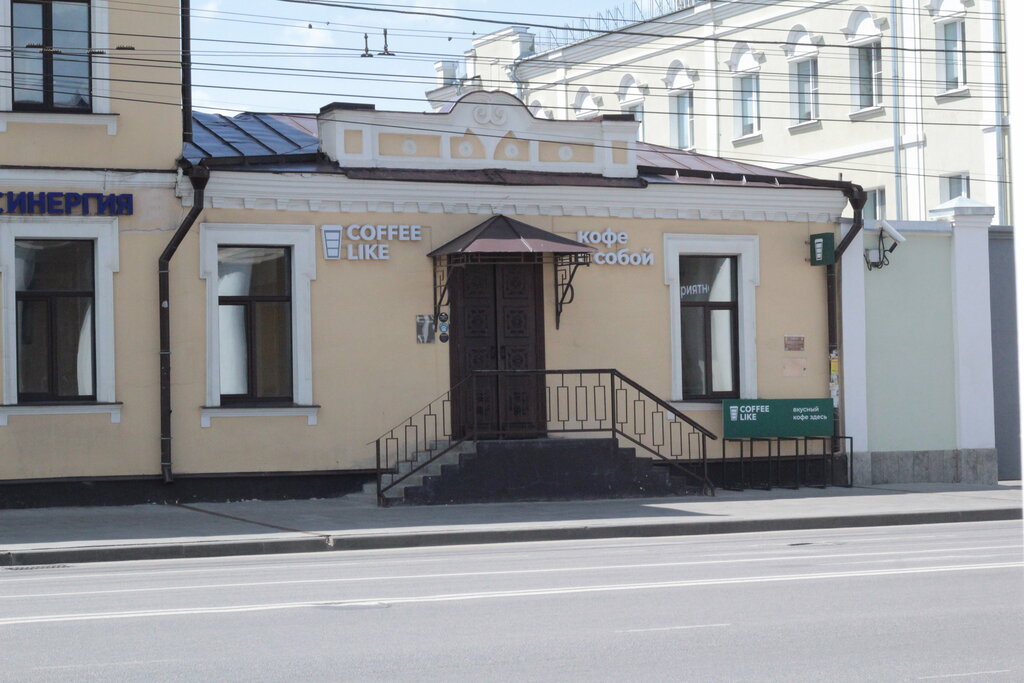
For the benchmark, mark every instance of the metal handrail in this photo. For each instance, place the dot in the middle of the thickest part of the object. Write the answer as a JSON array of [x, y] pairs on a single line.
[[637, 425]]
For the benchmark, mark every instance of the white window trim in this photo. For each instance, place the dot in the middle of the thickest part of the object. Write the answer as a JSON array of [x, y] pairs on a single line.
[[99, 18], [104, 233], [878, 99], [940, 39], [747, 248], [302, 240], [674, 96], [794, 76], [738, 134]]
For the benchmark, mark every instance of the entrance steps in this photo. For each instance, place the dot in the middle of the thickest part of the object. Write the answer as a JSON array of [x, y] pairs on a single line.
[[533, 469]]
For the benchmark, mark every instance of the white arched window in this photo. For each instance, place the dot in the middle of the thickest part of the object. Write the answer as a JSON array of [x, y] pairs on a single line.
[[864, 36], [802, 52], [586, 105], [951, 38], [631, 101], [680, 84], [745, 65]]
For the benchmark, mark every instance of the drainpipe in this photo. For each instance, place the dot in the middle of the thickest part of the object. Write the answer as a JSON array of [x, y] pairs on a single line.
[[897, 135], [199, 175], [1000, 113], [186, 71], [857, 197]]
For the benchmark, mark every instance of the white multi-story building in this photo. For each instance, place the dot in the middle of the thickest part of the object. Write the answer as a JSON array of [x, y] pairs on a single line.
[[906, 98]]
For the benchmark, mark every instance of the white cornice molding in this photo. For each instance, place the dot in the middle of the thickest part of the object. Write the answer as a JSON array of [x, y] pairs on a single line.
[[699, 200], [11, 178]]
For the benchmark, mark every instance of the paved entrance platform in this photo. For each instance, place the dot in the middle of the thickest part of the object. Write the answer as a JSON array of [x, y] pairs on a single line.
[[139, 532]]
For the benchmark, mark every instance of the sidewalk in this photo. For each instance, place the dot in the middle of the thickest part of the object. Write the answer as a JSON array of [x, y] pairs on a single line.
[[67, 535]]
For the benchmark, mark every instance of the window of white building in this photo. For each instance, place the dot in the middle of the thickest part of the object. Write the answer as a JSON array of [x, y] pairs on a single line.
[[802, 53], [954, 55], [955, 185], [864, 37], [680, 83], [258, 318], [874, 206], [745, 65], [631, 101]]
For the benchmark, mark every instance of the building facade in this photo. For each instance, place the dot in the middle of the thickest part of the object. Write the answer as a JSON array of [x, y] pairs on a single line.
[[908, 98]]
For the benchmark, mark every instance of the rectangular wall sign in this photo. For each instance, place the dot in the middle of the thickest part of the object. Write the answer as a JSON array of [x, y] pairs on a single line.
[[823, 249], [745, 418], [66, 204]]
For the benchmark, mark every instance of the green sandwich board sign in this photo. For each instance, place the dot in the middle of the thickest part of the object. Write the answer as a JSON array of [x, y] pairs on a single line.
[[746, 418]]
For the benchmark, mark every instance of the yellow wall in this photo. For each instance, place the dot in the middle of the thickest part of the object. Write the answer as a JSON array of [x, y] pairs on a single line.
[[145, 99], [369, 372]]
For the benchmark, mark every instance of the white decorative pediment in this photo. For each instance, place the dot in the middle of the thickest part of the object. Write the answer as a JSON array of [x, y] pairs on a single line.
[[744, 59], [680, 77], [801, 44], [481, 130], [863, 26], [947, 9]]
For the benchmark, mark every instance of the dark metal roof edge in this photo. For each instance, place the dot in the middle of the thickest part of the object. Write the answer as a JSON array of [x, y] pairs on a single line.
[[495, 176], [805, 181], [260, 160]]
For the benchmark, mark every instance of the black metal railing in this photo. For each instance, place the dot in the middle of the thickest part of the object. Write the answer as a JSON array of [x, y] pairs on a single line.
[[498, 404]]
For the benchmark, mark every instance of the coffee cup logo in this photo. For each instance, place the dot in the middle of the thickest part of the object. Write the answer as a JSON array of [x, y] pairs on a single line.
[[734, 413]]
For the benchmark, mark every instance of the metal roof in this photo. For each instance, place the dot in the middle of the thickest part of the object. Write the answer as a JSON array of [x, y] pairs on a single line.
[[251, 135], [504, 235]]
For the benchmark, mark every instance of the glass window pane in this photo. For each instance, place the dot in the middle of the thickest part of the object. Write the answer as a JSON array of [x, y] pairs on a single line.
[[71, 67], [684, 109], [33, 351], [28, 63], [73, 339], [721, 351], [54, 265], [234, 359], [272, 349], [706, 278], [694, 352], [253, 271], [867, 81]]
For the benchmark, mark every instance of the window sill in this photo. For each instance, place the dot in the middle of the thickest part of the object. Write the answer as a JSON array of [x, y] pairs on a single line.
[[867, 113], [112, 409], [108, 120], [748, 139], [697, 406], [207, 413], [951, 95], [805, 126]]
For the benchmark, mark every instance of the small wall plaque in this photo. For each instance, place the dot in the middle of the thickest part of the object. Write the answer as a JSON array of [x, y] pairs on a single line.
[[793, 342], [424, 329]]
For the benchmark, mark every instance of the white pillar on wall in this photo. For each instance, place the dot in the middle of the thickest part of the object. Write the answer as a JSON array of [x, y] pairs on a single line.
[[853, 349], [972, 320]]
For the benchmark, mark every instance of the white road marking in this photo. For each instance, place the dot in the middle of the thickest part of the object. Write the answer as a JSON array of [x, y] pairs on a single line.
[[524, 593], [96, 665], [503, 572], [973, 673], [672, 628]]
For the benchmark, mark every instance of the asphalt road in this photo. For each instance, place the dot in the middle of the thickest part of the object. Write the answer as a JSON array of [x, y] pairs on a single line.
[[940, 602]]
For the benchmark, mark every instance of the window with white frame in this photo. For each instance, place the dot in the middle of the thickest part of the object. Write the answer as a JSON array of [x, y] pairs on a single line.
[[953, 186], [749, 115], [631, 101], [58, 315], [874, 205], [682, 115], [869, 75], [712, 281], [680, 84], [259, 320], [745, 65], [952, 37], [801, 50], [806, 77]]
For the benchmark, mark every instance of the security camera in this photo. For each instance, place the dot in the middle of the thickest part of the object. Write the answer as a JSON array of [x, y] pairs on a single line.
[[892, 233]]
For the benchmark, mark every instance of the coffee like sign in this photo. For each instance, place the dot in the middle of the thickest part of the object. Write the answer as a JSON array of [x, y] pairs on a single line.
[[358, 242]]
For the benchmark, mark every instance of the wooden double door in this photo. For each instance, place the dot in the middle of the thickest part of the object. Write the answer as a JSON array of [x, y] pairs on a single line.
[[498, 324]]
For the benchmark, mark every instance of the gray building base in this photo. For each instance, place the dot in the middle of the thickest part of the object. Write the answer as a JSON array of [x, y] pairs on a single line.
[[967, 466]]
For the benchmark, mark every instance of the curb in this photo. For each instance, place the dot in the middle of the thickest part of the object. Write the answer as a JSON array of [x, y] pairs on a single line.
[[325, 543]]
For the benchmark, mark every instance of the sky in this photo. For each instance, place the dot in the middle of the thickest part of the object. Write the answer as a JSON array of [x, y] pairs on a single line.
[[296, 57]]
